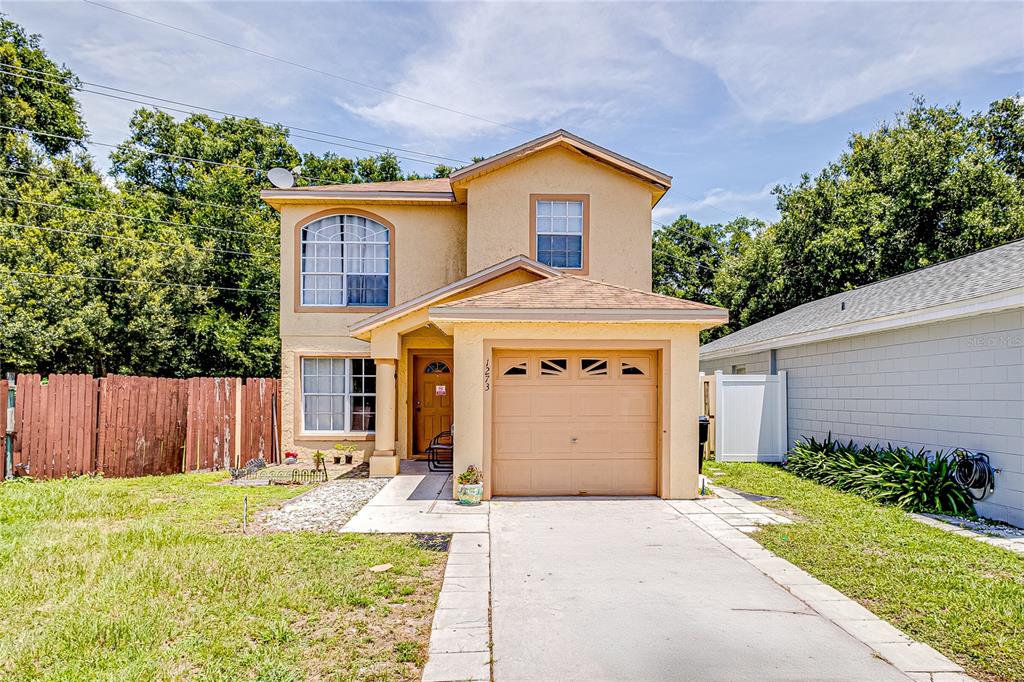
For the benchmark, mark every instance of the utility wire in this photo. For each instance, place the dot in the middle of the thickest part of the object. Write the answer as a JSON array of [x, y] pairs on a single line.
[[132, 217], [135, 281], [138, 241], [241, 121], [169, 197], [691, 237], [311, 69], [176, 157], [192, 107]]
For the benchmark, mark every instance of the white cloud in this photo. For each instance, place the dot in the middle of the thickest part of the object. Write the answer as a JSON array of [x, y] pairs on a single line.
[[805, 62], [541, 66], [720, 204], [529, 66]]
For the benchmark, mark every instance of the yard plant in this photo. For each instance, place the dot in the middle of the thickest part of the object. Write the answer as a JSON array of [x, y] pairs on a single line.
[[915, 481], [151, 579], [962, 597]]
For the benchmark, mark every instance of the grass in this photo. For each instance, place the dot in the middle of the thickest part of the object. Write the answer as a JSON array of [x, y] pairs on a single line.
[[963, 597], [152, 579]]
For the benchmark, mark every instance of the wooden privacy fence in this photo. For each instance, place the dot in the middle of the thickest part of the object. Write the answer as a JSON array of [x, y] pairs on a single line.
[[71, 424]]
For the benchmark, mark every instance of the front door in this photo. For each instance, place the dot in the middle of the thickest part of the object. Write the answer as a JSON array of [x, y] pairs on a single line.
[[432, 397]]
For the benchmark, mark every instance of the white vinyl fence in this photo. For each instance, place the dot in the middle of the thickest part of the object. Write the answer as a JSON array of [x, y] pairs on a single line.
[[750, 417]]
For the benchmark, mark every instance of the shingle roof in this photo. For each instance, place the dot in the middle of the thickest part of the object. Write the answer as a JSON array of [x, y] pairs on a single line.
[[571, 292], [979, 274], [428, 185]]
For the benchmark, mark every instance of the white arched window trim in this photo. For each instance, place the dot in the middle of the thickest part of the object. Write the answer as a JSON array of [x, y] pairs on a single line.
[[344, 261]]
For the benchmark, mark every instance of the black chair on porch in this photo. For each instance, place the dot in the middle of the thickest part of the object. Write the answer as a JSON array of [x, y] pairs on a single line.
[[440, 452]]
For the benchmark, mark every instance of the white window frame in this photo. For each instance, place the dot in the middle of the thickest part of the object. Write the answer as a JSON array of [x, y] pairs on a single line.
[[346, 266], [551, 232], [347, 394]]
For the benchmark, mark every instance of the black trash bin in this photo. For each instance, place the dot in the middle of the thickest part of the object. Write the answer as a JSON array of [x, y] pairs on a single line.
[[704, 424]]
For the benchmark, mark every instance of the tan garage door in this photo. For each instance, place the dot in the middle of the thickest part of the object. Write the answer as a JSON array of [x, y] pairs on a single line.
[[575, 423]]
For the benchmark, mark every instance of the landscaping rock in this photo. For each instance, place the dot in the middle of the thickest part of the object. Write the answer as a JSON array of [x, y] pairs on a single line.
[[327, 507]]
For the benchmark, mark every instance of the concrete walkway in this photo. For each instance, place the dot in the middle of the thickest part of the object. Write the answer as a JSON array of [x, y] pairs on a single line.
[[633, 589]]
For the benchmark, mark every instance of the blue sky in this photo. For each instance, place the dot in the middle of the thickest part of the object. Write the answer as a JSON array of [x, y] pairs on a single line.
[[728, 98]]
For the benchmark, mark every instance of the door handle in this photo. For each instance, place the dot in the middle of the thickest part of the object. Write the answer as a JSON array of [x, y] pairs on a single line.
[[573, 440]]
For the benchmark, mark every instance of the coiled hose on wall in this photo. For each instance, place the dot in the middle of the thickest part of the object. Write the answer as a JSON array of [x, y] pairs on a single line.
[[974, 472]]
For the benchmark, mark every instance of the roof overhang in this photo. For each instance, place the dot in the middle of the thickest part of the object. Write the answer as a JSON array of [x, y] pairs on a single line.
[[658, 181], [1013, 298], [452, 313], [277, 198], [363, 328]]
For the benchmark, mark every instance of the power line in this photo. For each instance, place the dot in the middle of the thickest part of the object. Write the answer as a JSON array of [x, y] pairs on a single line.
[[132, 217], [136, 281], [138, 240], [169, 197], [692, 237], [177, 157], [238, 116], [311, 69]]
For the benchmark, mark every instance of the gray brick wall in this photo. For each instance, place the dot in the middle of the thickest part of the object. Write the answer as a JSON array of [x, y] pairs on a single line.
[[943, 385]]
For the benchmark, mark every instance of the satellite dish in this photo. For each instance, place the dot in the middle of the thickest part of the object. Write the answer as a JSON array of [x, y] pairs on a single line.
[[281, 178]]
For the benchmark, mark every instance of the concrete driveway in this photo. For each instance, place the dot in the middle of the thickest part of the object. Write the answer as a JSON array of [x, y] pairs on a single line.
[[589, 589]]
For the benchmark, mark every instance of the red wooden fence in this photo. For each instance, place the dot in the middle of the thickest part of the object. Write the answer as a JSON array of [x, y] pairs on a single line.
[[3, 428], [138, 426], [261, 418]]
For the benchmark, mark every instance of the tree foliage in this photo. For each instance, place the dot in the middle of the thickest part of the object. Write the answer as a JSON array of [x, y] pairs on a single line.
[[933, 185], [168, 268]]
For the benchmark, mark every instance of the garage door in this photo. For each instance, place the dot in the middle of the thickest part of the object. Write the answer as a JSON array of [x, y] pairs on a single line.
[[575, 423]]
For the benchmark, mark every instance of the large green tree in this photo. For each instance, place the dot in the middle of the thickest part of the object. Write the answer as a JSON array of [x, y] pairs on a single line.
[[935, 184], [171, 267]]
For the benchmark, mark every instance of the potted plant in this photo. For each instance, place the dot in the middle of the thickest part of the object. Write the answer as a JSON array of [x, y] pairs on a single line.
[[345, 450], [471, 486]]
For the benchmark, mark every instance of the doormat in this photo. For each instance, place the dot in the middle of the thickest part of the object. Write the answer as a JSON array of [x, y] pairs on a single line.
[[435, 542]]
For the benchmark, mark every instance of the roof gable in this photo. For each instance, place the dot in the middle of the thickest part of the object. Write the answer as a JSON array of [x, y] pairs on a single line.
[[658, 181], [571, 294], [470, 281]]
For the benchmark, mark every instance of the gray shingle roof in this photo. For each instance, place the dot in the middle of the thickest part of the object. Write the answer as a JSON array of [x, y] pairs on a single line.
[[980, 274]]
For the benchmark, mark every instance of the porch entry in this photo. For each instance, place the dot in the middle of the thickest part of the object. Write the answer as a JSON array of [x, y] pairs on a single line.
[[432, 397]]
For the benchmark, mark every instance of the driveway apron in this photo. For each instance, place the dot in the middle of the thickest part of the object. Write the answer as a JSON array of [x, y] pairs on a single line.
[[628, 589]]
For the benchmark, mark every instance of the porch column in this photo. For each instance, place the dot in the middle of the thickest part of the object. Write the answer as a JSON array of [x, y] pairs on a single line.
[[384, 461]]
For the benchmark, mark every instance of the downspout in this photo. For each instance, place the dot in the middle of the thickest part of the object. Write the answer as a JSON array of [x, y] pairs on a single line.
[[9, 436], [772, 368]]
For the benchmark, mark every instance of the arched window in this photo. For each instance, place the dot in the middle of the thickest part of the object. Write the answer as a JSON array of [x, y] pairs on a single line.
[[344, 261]]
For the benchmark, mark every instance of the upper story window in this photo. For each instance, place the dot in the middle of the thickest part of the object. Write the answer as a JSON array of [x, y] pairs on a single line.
[[344, 261], [560, 231]]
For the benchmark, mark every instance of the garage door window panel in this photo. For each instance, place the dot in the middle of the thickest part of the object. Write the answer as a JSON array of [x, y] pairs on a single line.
[[593, 367]]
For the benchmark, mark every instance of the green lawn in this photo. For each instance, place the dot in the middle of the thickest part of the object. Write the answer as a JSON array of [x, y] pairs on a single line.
[[152, 579], [961, 596]]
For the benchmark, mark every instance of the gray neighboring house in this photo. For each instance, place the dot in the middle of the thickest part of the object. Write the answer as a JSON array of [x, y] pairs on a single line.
[[932, 358]]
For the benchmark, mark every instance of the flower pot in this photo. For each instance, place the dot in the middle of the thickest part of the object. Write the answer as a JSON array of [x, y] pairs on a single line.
[[470, 493], [348, 458], [337, 459]]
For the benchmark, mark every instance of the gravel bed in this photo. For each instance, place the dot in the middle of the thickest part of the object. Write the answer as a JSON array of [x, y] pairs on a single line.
[[327, 507], [983, 526]]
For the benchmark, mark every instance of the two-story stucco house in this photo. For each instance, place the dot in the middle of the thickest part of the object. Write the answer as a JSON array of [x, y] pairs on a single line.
[[511, 303]]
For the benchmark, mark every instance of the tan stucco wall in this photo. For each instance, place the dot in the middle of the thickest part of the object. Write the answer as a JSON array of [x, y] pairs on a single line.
[[498, 213], [430, 248], [474, 343]]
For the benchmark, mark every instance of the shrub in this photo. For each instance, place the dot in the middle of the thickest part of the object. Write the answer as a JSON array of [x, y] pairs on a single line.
[[919, 482]]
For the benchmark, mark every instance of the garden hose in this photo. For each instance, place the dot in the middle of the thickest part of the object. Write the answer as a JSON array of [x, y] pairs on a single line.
[[974, 472]]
